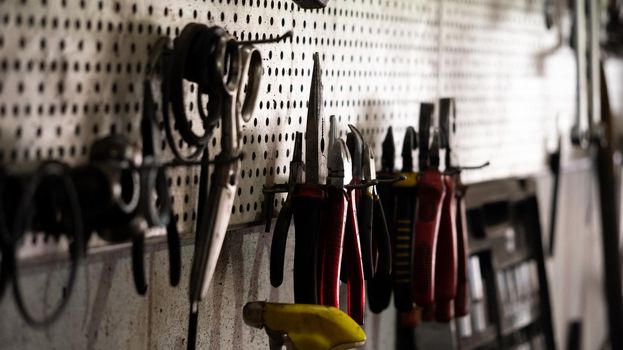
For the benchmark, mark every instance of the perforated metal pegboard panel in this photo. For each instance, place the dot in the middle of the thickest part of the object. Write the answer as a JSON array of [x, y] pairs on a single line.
[[71, 71]]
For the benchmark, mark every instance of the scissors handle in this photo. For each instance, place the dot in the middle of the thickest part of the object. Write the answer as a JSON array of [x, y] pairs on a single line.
[[249, 86]]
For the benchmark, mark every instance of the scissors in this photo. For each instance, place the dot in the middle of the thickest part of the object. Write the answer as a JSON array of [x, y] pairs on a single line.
[[230, 74]]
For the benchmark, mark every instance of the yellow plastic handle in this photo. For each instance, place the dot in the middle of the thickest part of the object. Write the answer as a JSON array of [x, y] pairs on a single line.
[[308, 327]]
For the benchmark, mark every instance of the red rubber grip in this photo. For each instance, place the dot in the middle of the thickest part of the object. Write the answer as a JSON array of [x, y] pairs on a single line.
[[461, 302], [430, 196], [330, 247], [445, 269], [354, 266]]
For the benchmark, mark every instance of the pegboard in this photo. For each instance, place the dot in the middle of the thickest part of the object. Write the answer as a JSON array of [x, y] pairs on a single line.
[[71, 71]]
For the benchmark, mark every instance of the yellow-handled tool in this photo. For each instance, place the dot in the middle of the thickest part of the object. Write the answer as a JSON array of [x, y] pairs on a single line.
[[304, 327]]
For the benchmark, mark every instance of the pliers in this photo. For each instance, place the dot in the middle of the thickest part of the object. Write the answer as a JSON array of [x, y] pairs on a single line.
[[355, 144], [339, 240], [446, 264], [451, 271], [380, 287], [431, 192], [308, 201], [373, 231], [278, 246], [379, 292]]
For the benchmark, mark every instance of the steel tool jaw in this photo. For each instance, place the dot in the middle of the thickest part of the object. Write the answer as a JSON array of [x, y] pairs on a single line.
[[433, 152], [408, 145], [314, 141], [388, 157], [333, 136], [339, 165], [425, 122], [369, 168], [296, 165], [355, 143]]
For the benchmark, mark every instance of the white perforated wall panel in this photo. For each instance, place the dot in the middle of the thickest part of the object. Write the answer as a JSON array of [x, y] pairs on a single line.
[[71, 71]]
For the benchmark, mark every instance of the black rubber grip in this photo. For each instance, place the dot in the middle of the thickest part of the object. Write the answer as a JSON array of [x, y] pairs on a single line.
[[278, 246], [403, 248], [364, 221], [138, 264], [380, 234], [175, 254], [306, 210]]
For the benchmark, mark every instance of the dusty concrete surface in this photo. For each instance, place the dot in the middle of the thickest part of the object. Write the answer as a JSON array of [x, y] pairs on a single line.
[[106, 313]]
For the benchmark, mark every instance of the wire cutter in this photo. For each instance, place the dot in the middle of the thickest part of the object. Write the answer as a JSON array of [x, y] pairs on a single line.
[[373, 231], [379, 288], [379, 293], [431, 193], [307, 203], [339, 240], [355, 144]]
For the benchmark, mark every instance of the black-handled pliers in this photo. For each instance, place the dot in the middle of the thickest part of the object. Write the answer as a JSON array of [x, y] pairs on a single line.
[[280, 233]]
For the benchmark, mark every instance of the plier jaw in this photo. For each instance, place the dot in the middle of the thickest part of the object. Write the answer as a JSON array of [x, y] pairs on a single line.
[[409, 144], [388, 158], [355, 144], [339, 164], [369, 168]]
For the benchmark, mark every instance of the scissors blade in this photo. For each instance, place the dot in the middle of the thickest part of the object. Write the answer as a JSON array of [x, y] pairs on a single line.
[[212, 227], [314, 159]]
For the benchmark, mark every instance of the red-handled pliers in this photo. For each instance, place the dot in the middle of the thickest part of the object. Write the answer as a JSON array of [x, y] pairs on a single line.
[[431, 191], [446, 268], [339, 238]]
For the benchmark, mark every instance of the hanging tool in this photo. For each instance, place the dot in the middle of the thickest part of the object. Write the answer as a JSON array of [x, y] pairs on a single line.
[[451, 278], [229, 72], [405, 203], [610, 221], [430, 192], [373, 231], [280, 234], [593, 127], [461, 301], [446, 263], [379, 288], [364, 203], [311, 4], [308, 201], [48, 189], [554, 167], [304, 327], [153, 187], [339, 239]]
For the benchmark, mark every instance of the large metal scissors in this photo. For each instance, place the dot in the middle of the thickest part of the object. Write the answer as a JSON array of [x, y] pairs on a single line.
[[235, 69]]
